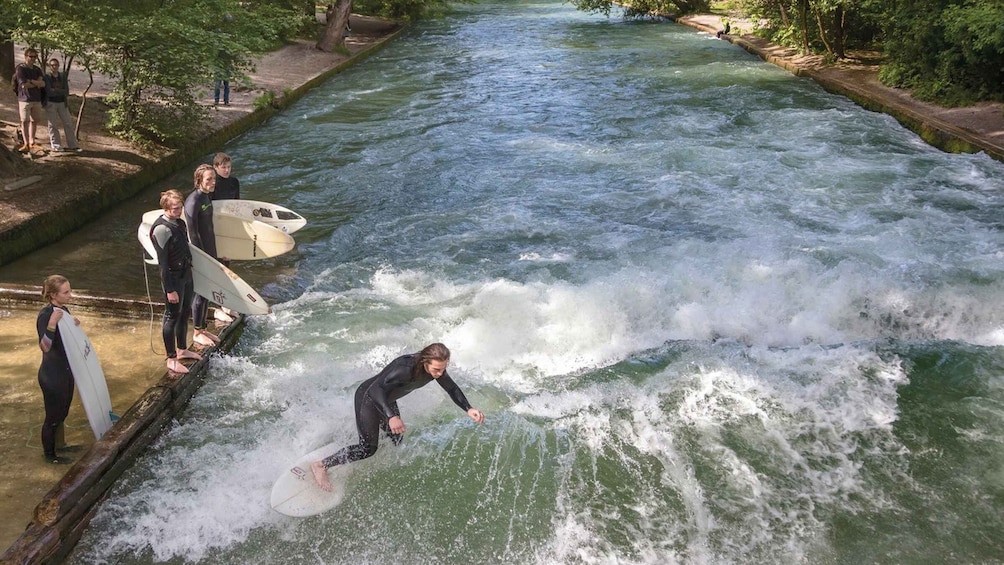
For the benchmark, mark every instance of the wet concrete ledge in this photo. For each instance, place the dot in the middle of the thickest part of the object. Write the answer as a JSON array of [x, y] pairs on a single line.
[[30, 296], [935, 132], [65, 511], [58, 222]]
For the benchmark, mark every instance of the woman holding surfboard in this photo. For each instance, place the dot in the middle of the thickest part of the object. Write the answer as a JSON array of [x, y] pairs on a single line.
[[170, 240], [54, 374], [376, 404], [199, 215]]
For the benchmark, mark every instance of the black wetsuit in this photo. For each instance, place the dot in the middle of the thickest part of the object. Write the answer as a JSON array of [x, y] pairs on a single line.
[[376, 404], [199, 215], [55, 379], [227, 188], [170, 239]]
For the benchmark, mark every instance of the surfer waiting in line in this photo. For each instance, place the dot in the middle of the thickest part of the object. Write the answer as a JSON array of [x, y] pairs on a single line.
[[227, 188], [170, 239], [199, 215], [376, 404], [54, 374]]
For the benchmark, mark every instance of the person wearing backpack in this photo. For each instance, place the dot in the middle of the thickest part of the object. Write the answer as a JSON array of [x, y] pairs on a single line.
[[57, 91], [30, 88]]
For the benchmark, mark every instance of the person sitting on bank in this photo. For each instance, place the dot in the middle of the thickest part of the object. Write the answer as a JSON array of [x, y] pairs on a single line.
[[725, 30], [170, 239]]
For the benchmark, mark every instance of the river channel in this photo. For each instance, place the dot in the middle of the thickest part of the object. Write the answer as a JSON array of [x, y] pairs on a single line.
[[713, 313]]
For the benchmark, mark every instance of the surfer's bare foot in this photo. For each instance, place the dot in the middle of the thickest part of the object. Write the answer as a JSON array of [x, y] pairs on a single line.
[[320, 475], [205, 338], [222, 316], [175, 366], [186, 354]]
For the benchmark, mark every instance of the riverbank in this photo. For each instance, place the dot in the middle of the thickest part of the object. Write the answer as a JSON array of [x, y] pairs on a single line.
[[961, 130], [68, 190]]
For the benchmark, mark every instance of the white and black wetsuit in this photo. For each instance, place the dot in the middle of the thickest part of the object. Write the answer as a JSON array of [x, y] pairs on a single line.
[[170, 239], [376, 404], [54, 378]]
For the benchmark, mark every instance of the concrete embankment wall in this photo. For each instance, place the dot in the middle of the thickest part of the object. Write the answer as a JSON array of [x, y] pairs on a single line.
[[932, 130], [65, 511]]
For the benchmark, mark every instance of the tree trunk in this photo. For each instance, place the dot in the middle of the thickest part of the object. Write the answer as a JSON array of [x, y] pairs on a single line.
[[803, 16], [333, 36], [83, 102], [785, 21], [822, 31], [6, 57], [840, 43]]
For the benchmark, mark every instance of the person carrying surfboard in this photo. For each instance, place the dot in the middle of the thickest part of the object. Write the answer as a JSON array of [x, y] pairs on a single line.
[[376, 404], [227, 188], [54, 375], [199, 215], [170, 240]]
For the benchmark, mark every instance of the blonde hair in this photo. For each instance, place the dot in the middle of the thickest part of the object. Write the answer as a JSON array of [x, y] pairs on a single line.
[[169, 196], [220, 159], [52, 285], [199, 171]]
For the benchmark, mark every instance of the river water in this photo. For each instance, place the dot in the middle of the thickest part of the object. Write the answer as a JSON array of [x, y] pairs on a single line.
[[713, 313]]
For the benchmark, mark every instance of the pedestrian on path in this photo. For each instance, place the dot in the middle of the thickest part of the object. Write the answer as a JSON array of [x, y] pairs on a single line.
[[30, 88], [57, 92]]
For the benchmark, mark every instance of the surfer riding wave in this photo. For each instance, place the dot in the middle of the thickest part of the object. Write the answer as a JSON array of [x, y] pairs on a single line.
[[376, 404]]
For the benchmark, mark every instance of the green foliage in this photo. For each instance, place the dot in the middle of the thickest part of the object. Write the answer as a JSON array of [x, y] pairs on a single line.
[[405, 10], [947, 51], [160, 54], [266, 100], [823, 26], [639, 8]]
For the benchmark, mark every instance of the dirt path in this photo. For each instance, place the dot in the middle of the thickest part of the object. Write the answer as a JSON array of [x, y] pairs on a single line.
[[65, 176]]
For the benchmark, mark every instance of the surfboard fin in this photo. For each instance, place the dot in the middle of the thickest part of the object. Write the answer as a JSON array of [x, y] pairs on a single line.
[[113, 416]]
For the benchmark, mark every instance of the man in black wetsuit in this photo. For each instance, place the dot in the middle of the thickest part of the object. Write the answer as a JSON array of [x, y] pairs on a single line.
[[227, 188], [376, 404]]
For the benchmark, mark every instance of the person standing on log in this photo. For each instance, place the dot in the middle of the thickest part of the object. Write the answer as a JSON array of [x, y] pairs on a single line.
[[199, 215], [170, 239], [227, 188]]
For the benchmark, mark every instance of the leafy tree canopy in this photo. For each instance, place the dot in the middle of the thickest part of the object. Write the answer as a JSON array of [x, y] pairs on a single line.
[[160, 52]]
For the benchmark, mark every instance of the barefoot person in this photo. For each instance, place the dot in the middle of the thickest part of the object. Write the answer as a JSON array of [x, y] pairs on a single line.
[[376, 404], [170, 238], [54, 375], [199, 215], [228, 187]]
